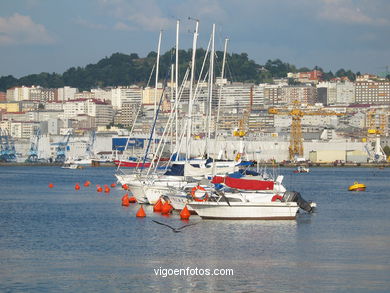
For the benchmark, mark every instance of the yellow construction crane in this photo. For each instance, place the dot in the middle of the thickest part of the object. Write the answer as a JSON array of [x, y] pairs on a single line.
[[376, 122], [296, 145], [243, 122]]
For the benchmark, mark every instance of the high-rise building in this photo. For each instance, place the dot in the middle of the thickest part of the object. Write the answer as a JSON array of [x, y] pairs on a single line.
[[372, 92]]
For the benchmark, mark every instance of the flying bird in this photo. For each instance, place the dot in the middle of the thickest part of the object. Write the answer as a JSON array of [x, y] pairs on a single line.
[[175, 230]]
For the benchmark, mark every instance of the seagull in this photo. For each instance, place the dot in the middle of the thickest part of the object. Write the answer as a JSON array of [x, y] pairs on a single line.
[[175, 230]]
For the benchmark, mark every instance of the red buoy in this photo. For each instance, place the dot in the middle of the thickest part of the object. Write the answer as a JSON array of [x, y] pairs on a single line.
[[99, 188], [51, 185], [87, 183], [125, 187], [158, 206], [113, 185], [141, 213], [132, 199], [77, 186], [166, 208], [107, 189], [185, 213]]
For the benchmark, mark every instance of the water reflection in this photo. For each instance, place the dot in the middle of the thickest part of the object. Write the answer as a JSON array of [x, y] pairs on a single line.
[[62, 240]]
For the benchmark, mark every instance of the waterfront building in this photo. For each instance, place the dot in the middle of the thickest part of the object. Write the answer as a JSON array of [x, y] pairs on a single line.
[[23, 129]]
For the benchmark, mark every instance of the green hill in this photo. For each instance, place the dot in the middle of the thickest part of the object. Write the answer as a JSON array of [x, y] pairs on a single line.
[[121, 69]]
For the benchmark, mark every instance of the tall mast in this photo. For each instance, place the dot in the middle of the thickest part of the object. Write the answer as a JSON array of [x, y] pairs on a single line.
[[189, 129], [220, 86], [177, 86], [211, 83], [156, 82]]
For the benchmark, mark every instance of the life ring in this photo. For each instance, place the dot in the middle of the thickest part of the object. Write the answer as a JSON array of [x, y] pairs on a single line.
[[277, 198], [196, 198]]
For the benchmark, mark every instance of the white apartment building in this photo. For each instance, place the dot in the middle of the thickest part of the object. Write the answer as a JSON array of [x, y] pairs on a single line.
[[102, 94], [338, 92], [23, 129], [345, 93], [130, 94], [102, 111], [239, 96], [66, 93], [43, 115], [54, 105], [19, 93]]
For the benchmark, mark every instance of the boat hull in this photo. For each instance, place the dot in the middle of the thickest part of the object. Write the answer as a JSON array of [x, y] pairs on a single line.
[[246, 211], [131, 164]]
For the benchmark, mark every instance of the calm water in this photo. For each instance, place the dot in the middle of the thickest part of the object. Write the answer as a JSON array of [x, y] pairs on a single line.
[[62, 240]]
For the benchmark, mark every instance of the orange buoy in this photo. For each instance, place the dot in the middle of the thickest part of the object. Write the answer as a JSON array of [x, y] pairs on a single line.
[[158, 206], [166, 208], [125, 187], [185, 213], [113, 185], [141, 213], [125, 201], [51, 185], [77, 186], [132, 199], [87, 183], [125, 196], [107, 189], [99, 189]]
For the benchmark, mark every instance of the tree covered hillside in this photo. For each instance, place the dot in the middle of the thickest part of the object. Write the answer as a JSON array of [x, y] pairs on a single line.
[[122, 69]]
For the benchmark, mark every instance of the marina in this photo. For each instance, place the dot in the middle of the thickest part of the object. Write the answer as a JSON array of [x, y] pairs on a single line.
[[84, 240]]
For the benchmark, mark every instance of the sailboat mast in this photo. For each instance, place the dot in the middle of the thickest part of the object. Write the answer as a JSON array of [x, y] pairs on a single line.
[[189, 129], [177, 86], [156, 82], [211, 84], [220, 86]]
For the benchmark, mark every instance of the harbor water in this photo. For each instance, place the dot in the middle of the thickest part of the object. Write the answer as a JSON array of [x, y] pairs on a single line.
[[62, 240]]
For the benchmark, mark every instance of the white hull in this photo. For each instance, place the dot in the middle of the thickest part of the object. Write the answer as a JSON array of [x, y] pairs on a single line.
[[146, 191], [246, 211], [178, 202]]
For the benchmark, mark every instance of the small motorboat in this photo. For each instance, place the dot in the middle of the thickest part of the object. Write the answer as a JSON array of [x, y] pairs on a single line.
[[356, 186], [71, 166], [301, 169]]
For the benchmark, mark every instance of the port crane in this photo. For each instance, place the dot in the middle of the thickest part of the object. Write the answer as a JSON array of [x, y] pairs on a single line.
[[296, 140], [376, 126], [7, 147], [33, 151], [61, 148]]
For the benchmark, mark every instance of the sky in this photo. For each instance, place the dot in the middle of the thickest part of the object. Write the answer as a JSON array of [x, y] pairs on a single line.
[[54, 35]]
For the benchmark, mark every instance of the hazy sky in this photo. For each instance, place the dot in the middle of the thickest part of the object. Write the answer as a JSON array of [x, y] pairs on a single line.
[[53, 35]]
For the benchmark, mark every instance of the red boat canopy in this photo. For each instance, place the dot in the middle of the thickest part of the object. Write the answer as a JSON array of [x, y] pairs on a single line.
[[241, 183]]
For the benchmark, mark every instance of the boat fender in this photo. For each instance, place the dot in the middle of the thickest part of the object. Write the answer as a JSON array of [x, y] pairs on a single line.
[[194, 190], [277, 198]]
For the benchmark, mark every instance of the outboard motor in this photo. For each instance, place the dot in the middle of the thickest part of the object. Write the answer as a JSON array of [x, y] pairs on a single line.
[[293, 196]]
